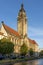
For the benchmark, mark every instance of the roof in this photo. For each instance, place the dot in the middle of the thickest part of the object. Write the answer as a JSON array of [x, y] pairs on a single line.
[[1, 33], [10, 30], [32, 41], [22, 8]]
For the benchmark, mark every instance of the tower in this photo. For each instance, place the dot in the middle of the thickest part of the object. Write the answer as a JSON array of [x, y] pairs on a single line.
[[22, 22]]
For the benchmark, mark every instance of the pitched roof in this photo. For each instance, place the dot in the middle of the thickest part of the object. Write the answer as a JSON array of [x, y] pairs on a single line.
[[1, 33], [10, 30], [32, 41]]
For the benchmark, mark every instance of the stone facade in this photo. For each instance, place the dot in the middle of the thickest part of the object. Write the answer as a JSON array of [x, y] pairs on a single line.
[[20, 36]]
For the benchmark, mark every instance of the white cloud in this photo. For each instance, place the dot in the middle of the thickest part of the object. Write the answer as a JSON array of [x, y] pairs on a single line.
[[35, 31], [36, 34]]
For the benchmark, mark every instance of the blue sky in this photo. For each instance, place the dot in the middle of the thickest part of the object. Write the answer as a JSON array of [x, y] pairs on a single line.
[[34, 10]]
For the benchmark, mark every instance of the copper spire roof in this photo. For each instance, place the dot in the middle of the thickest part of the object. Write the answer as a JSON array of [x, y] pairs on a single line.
[[22, 8]]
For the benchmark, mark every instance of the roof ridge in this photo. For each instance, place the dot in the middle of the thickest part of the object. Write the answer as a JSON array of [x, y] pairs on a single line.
[[32, 41], [10, 30]]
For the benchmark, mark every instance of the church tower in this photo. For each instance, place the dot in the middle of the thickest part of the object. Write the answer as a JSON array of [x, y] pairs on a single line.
[[22, 22]]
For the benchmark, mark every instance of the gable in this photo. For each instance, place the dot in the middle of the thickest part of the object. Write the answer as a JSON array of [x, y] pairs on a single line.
[[3, 30], [7, 30]]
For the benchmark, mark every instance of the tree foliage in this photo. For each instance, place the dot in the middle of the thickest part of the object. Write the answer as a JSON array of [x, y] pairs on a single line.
[[31, 52], [6, 46], [24, 49], [41, 53]]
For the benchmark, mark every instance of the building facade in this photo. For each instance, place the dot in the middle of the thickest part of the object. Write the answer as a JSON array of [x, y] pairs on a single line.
[[20, 36]]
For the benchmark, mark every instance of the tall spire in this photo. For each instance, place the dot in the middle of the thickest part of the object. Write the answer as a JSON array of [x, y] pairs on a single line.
[[22, 7]]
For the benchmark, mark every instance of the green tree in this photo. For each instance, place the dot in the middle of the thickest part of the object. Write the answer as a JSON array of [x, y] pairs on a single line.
[[31, 52], [24, 49], [6, 46], [5, 40], [0, 47], [41, 53]]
